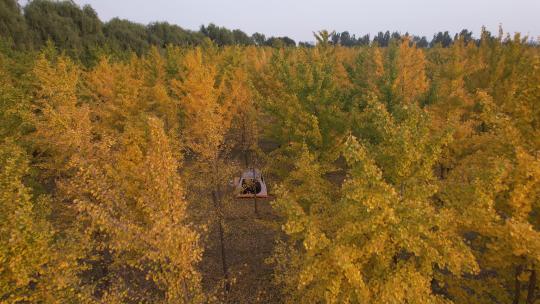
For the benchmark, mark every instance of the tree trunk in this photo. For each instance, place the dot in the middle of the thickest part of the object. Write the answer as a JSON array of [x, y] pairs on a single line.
[[187, 298], [255, 205], [517, 286], [244, 143], [224, 265], [246, 162], [531, 296], [255, 193]]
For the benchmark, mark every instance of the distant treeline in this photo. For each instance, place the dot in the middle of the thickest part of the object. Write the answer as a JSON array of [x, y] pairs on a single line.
[[80, 32]]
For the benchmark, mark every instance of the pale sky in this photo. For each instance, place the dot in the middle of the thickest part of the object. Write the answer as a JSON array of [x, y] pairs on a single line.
[[299, 18]]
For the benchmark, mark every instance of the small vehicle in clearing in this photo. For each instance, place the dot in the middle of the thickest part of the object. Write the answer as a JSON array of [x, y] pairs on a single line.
[[250, 184]]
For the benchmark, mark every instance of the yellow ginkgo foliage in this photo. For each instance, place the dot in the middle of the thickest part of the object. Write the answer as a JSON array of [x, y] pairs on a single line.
[[403, 172], [381, 238], [131, 204], [207, 113], [25, 234]]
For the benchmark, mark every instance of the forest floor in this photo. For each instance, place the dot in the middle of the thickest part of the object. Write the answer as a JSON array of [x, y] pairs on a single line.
[[249, 242]]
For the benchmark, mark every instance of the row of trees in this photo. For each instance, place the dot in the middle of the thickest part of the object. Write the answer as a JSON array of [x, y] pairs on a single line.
[[443, 39], [406, 174], [97, 204], [440, 154], [80, 32], [95, 207]]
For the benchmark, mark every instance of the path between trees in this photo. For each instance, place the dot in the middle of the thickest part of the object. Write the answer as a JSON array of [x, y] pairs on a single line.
[[249, 242]]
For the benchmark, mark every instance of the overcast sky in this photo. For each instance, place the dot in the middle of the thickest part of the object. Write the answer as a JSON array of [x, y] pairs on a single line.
[[298, 18]]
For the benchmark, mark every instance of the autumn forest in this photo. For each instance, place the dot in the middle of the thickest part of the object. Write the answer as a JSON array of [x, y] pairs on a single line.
[[397, 173]]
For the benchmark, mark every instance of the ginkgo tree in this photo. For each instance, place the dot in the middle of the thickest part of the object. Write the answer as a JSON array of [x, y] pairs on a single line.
[[479, 95], [207, 116], [103, 168], [381, 239], [303, 96], [137, 233], [25, 234]]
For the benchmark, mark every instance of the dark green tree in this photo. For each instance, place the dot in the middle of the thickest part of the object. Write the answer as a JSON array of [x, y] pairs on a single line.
[[364, 40], [124, 35], [162, 34], [444, 39], [71, 28], [12, 24], [241, 38], [466, 35], [258, 38], [280, 42], [220, 35], [382, 39], [420, 42]]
